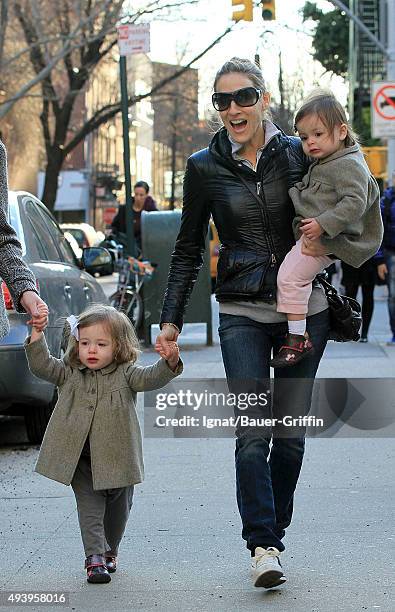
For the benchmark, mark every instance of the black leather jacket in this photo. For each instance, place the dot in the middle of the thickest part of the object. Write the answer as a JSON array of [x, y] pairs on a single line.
[[254, 223]]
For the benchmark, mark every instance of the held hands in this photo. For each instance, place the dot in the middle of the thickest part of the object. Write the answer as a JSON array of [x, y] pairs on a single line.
[[37, 309], [39, 321], [167, 347], [311, 228]]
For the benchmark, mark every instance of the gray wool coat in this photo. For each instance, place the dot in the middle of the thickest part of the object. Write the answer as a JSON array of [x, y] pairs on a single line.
[[13, 269], [98, 403], [342, 195]]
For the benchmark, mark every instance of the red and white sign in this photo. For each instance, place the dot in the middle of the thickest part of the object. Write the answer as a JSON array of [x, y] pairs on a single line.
[[383, 109], [134, 38], [109, 214]]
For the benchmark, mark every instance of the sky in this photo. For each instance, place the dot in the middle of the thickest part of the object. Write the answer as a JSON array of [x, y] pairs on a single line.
[[207, 19]]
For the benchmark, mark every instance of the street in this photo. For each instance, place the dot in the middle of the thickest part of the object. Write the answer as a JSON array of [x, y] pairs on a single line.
[[182, 549]]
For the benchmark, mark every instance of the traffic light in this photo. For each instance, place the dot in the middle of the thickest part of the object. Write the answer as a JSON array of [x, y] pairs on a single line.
[[245, 11], [268, 10]]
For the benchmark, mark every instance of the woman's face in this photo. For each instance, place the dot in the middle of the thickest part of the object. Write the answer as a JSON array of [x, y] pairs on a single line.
[[243, 123], [139, 196]]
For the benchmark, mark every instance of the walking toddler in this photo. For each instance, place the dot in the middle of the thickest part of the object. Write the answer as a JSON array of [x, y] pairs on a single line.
[[337, 203], [93, 439]]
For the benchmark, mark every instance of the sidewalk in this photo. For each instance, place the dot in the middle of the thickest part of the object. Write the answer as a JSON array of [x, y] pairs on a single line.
[[183, 550]]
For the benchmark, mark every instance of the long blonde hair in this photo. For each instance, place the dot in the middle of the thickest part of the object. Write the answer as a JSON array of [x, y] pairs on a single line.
[[121, 330]]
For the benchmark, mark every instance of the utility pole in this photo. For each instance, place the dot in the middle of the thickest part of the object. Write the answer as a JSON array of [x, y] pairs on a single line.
[[389, 53], [126, 156]]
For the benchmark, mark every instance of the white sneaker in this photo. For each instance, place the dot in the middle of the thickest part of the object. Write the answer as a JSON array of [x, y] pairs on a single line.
[[266, 568]]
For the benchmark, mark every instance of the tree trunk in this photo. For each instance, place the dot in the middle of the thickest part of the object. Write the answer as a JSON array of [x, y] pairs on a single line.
[[51, 181]]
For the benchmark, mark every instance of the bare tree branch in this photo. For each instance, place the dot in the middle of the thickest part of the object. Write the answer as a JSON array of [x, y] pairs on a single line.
[[6, 106], [109, 111]]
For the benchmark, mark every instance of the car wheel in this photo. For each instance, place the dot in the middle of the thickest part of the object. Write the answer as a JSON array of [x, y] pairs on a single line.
[[36, 420]]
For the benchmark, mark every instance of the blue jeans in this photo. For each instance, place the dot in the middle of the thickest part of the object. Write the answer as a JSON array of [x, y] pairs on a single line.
[[390, 262], [265, 488]]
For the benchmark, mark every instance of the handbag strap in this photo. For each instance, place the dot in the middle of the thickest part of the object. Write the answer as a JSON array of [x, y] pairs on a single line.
[[328, 288]]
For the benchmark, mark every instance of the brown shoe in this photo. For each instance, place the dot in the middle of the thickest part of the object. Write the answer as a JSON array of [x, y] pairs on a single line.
[[111, 562], [96, 569], [294, 349]]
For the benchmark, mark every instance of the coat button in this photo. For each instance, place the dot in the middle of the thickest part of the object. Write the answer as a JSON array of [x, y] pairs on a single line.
[[91, 407], [93, 391]]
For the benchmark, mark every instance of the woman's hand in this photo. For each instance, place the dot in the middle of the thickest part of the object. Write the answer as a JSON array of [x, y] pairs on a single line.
[[313, 247], [37, 309], [382, 271], [311, 228]]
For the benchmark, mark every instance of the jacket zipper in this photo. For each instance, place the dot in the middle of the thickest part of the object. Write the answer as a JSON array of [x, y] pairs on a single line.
[[267, 223]]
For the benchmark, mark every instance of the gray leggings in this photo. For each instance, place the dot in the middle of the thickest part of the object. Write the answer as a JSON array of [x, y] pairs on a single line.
[[102, 514]]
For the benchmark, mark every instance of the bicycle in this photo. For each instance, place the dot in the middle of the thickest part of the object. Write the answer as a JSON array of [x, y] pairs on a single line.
[[133, 273]]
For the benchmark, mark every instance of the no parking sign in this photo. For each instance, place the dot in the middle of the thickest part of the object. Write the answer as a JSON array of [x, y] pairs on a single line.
[[383, 109]]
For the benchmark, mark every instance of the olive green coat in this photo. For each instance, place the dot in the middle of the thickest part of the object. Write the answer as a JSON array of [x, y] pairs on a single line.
[[342, 195], [101, 403]]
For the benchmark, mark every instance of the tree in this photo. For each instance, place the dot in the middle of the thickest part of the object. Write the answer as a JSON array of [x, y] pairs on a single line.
[[65, 43], [331, 45], [330, 39]]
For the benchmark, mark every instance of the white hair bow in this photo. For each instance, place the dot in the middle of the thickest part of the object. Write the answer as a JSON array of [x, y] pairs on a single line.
[[73, 322]]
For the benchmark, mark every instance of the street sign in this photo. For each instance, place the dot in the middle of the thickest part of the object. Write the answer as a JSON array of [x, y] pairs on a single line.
[[383, 109], [133, 39]]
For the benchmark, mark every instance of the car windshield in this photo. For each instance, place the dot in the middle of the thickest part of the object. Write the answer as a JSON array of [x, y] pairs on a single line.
[[15, 222]]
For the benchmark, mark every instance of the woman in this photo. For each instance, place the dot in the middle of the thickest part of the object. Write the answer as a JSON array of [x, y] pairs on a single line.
[[141, 201], [17, 276], [242, 180]]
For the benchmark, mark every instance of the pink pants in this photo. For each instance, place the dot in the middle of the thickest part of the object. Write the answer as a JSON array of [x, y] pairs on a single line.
[[295, 277]]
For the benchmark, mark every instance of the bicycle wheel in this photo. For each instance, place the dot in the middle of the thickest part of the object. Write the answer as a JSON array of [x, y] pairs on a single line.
[[132, 306]]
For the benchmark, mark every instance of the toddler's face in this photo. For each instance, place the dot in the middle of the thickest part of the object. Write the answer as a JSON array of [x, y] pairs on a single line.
[[316, 139], [95, 346]]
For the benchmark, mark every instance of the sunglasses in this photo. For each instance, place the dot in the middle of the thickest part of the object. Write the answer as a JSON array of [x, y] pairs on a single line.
[[247, 96]]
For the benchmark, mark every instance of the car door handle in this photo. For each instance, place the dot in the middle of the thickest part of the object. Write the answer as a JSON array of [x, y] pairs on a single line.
[[87, 293], [67, 291]]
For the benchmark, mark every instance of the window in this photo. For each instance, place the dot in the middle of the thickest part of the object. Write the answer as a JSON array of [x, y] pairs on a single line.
[[44, 242], [66, 253]]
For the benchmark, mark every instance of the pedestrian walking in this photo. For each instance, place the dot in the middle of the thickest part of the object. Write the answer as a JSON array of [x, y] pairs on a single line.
[[140, 201], [337, 202], [93, 439], [18, 278], [386, 256], [242, 180], [364, 277]]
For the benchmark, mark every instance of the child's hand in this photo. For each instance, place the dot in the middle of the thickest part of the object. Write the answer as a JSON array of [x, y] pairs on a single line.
[[168, 350], [311, 228], [39, 321]]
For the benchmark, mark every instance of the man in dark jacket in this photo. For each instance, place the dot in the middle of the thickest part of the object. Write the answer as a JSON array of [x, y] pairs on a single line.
[[386, 255], [141, 201]]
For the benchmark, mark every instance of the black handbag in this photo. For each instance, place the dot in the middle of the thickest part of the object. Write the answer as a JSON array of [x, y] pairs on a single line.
[[345, 314]]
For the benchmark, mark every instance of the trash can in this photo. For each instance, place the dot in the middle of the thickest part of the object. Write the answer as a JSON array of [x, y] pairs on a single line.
[[159, 230]]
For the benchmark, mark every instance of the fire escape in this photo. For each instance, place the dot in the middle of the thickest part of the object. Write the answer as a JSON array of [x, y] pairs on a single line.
[[369, 61]]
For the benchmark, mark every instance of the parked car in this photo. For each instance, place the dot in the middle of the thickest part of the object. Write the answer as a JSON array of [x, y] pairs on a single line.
[[86, 236], [74, 245], [64, 286]]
